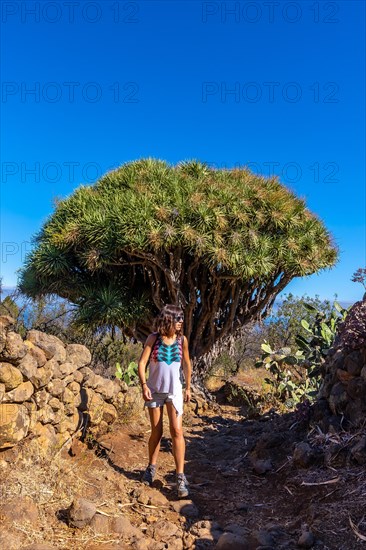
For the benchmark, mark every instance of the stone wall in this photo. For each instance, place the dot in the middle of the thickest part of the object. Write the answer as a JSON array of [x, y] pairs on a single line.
[[48, 392], [344, 386]]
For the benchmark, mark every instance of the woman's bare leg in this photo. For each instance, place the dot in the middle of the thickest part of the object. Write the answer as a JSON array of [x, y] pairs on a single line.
[[156, 420], [176, 431]]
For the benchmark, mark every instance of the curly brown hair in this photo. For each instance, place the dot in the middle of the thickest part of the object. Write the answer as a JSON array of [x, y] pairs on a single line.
[[164, 323]]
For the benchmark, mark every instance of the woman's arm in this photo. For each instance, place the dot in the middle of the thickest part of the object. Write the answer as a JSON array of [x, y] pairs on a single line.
[[142, 366], [187, 368]]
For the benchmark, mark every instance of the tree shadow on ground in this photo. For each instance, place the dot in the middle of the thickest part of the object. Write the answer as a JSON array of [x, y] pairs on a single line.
[[242, 479]]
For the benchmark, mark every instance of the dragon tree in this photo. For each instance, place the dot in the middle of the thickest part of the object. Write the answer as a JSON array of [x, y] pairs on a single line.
[[220, 243]]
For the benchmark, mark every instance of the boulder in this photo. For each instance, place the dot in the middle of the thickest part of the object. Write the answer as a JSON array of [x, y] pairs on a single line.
[[14, 424], [109, 413], [10, 540], [52, 346], [64, 369], [78, 376], [41, 397], [353, 362], [14, 349], [28, 366], [78, 355], [46, 443], [42, 376], [36, 352], [68, 396], [70, 405], [33, 414], [20, 509], [10, 376], [69, 423], [56, 404], [346, 361], [56, 387], [47, 415], [107, 388], [93, 404], [88, 377], [21, 393], [74, 387], [6, 323]]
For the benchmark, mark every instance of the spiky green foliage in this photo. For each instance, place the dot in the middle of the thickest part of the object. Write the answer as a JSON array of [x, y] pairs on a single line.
[[222, 243]]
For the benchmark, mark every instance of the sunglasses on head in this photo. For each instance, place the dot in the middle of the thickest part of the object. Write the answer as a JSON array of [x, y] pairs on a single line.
[[178, 318]]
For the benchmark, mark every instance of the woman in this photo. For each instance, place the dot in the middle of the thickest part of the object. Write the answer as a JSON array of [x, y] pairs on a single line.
[[167, 350]]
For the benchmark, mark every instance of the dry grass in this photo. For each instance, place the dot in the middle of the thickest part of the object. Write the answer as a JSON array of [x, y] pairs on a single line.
[[52, 485], [250, 376]]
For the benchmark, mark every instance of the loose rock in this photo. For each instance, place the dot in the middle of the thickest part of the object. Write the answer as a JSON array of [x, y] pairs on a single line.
[[81, 512]]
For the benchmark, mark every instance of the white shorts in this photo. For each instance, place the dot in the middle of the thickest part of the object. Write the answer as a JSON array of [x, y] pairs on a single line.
[[158, 400]]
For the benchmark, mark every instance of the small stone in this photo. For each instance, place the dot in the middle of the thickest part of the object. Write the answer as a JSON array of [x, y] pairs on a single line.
[[81, 512], [242, 506], [185, 508], [100, 524], [157, 499], [151, 519], [358, 451], [303, 455], [163, 530], [261, 466], [263, 538], [306, 539], [236, 529], [122, 526], [143, 498], [230, 541]]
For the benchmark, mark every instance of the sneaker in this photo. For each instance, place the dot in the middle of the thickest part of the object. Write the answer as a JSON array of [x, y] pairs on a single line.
[[182, 486], [149, 474]]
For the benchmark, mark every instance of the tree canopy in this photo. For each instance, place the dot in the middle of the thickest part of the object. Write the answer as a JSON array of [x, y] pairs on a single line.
[[221, 243]]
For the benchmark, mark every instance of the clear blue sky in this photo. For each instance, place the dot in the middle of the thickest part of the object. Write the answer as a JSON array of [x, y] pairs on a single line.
[[297, 109]]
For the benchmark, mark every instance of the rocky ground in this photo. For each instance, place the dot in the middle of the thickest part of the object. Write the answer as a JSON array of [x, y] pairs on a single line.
[[273, 482]]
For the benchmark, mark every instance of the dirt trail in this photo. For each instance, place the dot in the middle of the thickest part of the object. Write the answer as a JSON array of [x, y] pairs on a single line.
[[246, 492], [243, 481]]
